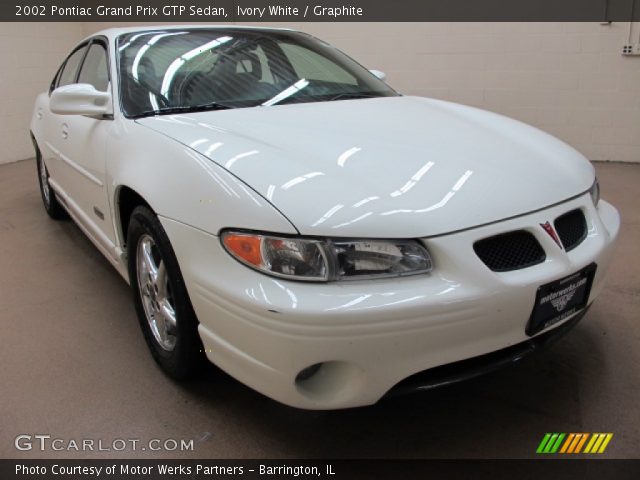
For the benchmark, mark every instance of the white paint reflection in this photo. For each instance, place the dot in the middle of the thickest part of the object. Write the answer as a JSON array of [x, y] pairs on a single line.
[[454, 189], [342, 159], [172, 119], [446, 290], [350, 303], [233, 160], [388, 304], [361, 217], [264, 294], [289, 292], [208, 167], [328, 215], [213, 127], [212, 148], [250, 193], [300, 179], [364, 201], [413, 180], [200, 141], [270, 191], [461, 181]]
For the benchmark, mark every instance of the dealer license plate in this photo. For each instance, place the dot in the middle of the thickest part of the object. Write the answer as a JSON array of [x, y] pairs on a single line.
[[558, 300]]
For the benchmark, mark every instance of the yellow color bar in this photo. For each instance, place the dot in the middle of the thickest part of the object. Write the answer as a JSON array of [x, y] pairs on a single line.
[[606, 441], [594, 437], [596, 445]]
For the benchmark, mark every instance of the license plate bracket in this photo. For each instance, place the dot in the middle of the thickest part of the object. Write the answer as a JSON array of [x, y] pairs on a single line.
[[558, 300]]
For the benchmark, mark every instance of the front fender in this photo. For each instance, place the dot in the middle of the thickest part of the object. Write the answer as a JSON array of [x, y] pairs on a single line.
[[183, 185]]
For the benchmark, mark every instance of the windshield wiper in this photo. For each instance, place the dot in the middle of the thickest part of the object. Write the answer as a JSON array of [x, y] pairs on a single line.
[[184, 109], [352, 96], [301, 97]]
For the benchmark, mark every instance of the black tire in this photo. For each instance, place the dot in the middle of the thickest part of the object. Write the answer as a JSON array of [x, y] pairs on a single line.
[[179, 351], [51, 204]]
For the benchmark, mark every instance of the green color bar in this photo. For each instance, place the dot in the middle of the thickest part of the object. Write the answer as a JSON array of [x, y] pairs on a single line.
[[547, 448], [543, 442], [555, 448]]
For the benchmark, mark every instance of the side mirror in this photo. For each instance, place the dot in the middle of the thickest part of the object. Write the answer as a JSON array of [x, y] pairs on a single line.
[[381, 75], [80, 99]]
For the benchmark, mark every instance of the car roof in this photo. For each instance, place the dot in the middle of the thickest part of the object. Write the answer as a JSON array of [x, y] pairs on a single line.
[[112, 33]]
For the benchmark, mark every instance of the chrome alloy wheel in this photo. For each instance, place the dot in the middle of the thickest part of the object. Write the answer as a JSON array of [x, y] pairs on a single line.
[[155, 292], [44, 181]]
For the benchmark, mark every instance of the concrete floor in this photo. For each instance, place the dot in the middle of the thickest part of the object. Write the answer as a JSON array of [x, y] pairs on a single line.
[[74, 365]]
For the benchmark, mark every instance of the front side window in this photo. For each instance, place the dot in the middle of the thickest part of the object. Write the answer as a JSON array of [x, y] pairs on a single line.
[[70, 69], [169, 71], [95, 69]]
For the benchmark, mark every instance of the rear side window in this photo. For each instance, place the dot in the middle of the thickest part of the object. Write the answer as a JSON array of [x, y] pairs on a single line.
[[68, 74], [94, 69]]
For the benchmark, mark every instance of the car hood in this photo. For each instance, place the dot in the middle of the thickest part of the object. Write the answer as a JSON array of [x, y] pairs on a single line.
[[385, 167]]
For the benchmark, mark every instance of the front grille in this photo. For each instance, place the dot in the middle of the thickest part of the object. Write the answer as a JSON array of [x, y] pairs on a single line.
[[571, 228], [510, 251]]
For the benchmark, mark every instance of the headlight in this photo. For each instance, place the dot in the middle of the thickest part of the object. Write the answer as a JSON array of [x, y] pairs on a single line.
[[594, 191], [325, 259]]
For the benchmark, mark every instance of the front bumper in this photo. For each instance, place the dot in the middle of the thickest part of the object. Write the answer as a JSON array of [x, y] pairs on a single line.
[[370, 335], [483, 364]]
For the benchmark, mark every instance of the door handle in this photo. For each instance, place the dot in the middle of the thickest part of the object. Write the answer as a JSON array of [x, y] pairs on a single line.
[[65, 130]]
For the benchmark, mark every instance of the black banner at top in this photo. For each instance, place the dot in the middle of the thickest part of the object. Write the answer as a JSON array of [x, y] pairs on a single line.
[[219, 11]]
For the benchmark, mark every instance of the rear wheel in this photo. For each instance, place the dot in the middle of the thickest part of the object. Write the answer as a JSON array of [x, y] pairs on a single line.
[[168, 322], [53, 208]]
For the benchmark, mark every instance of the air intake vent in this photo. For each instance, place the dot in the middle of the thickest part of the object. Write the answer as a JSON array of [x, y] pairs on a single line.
[[571, 228], [510, 251]]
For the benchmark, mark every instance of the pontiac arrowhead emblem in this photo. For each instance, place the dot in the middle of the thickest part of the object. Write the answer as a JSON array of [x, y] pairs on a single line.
[[552, 233]]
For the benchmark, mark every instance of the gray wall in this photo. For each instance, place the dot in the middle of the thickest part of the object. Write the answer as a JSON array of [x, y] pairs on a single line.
[[567, 78]]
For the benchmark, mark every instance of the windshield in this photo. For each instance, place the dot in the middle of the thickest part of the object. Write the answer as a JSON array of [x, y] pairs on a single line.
[[168, 71]]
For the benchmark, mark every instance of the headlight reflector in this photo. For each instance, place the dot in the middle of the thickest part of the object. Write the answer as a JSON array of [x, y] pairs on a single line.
[[367, 258], [323, 260]]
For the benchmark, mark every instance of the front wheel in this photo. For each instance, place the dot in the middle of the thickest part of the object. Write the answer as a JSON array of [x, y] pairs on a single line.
[[168, 322]]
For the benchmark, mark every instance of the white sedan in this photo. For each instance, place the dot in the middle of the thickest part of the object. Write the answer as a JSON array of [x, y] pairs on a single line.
[[283, 212]]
